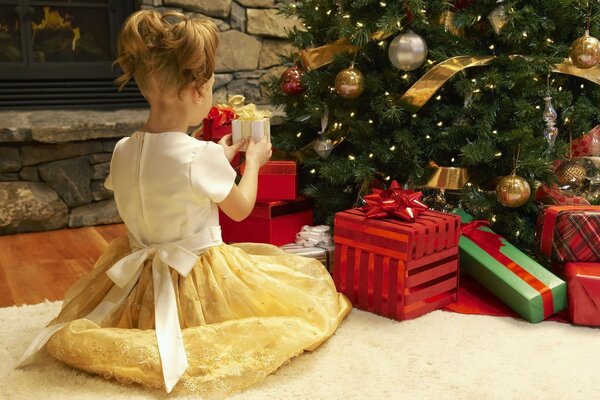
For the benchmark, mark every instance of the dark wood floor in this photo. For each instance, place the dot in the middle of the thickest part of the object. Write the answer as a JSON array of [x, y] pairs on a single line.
[[43, 265]]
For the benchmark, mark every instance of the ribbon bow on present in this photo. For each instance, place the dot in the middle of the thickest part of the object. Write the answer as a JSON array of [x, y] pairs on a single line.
[[394, 202], [313, 236], [220, 116], [246, 111]]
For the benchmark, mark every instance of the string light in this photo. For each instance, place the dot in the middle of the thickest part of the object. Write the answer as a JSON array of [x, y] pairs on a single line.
[[387, 178], [351, 157], [316, 8], [549, 40], [427, 137], [352, 114], [524, 34], [381, 44], [566, 120], [494, 131], [414, 115], [299, 134], [474, 80], [537, 107], [493, 218], [452, 159], [440, 123], [560, 88], [430, 62], [370, 121], [405, 76], [498, 154], [491, 47], [312, 171], [387, 93], [393, 148], [328, 12], [382, 4], [517, 233], [346, 16], [476, 90], [370, 155], [478, 18], [469, 184], [359, 24], [535, 78], [582, 86], [438, 97]]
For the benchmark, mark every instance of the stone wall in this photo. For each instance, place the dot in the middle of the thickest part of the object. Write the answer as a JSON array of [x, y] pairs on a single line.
[[53, 163]]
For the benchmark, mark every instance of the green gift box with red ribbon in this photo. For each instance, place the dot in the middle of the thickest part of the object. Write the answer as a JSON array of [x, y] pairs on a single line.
[[511, 275]]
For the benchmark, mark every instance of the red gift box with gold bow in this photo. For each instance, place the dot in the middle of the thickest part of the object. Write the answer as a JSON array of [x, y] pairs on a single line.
[[394, 257]]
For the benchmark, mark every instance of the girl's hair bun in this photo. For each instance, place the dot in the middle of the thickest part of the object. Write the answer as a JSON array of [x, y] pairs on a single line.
[[167, 51]]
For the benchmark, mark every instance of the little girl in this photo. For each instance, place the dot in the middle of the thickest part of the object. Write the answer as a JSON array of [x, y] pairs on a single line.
[[170, 305]]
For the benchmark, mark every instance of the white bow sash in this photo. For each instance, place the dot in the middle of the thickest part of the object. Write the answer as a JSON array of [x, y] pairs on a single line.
[[181, 256]]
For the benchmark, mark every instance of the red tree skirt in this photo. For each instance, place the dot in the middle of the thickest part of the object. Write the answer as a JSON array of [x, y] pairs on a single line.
[[475, 299]]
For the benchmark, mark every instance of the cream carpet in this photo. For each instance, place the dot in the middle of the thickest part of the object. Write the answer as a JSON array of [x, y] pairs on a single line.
[[441, 355]]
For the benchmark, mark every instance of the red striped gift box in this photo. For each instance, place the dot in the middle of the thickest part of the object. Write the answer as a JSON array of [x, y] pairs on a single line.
[[397, 269]]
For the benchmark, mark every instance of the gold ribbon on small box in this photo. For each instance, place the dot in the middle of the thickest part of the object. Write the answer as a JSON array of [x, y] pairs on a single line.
[[251, 121]]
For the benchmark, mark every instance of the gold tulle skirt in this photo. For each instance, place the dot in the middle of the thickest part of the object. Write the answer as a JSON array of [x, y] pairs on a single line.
[[244, 310]]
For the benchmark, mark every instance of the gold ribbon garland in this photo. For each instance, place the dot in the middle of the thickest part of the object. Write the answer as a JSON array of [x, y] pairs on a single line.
[[419, 93], [318, 57], [423, 89]]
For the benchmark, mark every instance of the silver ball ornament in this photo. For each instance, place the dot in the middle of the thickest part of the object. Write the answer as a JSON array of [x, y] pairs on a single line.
[[407, 51]]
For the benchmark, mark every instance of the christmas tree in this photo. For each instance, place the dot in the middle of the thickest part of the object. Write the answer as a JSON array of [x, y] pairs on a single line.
[[493, 69]]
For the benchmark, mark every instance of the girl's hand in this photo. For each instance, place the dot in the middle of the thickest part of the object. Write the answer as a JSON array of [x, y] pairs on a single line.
[[231, 149], [259, 152]]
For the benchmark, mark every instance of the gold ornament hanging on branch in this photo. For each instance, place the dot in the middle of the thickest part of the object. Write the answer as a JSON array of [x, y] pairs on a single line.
[[349, 83], [513, 191]]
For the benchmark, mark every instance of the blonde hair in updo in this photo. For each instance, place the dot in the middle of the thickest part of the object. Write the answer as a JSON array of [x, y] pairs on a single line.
[[166, 51]]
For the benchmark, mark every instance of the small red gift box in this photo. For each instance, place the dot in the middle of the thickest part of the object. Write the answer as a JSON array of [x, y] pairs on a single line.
[[570, 233], [217, 123], [553, 195], [397, 269], [583, 280], [274, 222], [587, 144], [276, 181]]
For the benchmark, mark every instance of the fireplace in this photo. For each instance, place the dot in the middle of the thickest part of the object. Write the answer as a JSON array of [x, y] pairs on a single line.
[[59, 53]]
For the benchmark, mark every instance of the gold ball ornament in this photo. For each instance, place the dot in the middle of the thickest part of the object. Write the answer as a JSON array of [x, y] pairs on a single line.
[[349, 83], [585, 51], [571, 172], [513, 191]]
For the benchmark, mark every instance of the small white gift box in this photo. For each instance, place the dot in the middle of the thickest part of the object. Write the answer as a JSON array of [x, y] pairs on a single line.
[[250, 128]]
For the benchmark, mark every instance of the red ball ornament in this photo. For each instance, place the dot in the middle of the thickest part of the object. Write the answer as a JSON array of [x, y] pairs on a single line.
[[290, 80]]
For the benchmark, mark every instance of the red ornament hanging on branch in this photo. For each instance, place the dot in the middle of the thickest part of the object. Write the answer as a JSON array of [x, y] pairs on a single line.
[[291, 83]]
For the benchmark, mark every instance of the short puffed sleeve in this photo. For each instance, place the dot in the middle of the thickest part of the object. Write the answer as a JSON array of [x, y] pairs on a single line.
[[108, 182], [211, 174]]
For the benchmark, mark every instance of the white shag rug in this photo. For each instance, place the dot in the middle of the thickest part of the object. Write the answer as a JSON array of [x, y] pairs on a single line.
[[441, 355]]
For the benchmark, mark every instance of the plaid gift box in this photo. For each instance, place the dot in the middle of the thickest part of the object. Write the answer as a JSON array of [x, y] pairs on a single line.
[[555, 196], [570, 233]]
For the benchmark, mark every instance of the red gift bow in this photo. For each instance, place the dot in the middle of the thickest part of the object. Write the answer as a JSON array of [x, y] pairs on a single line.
[[220, 115], [491, 243], [394, 202]]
